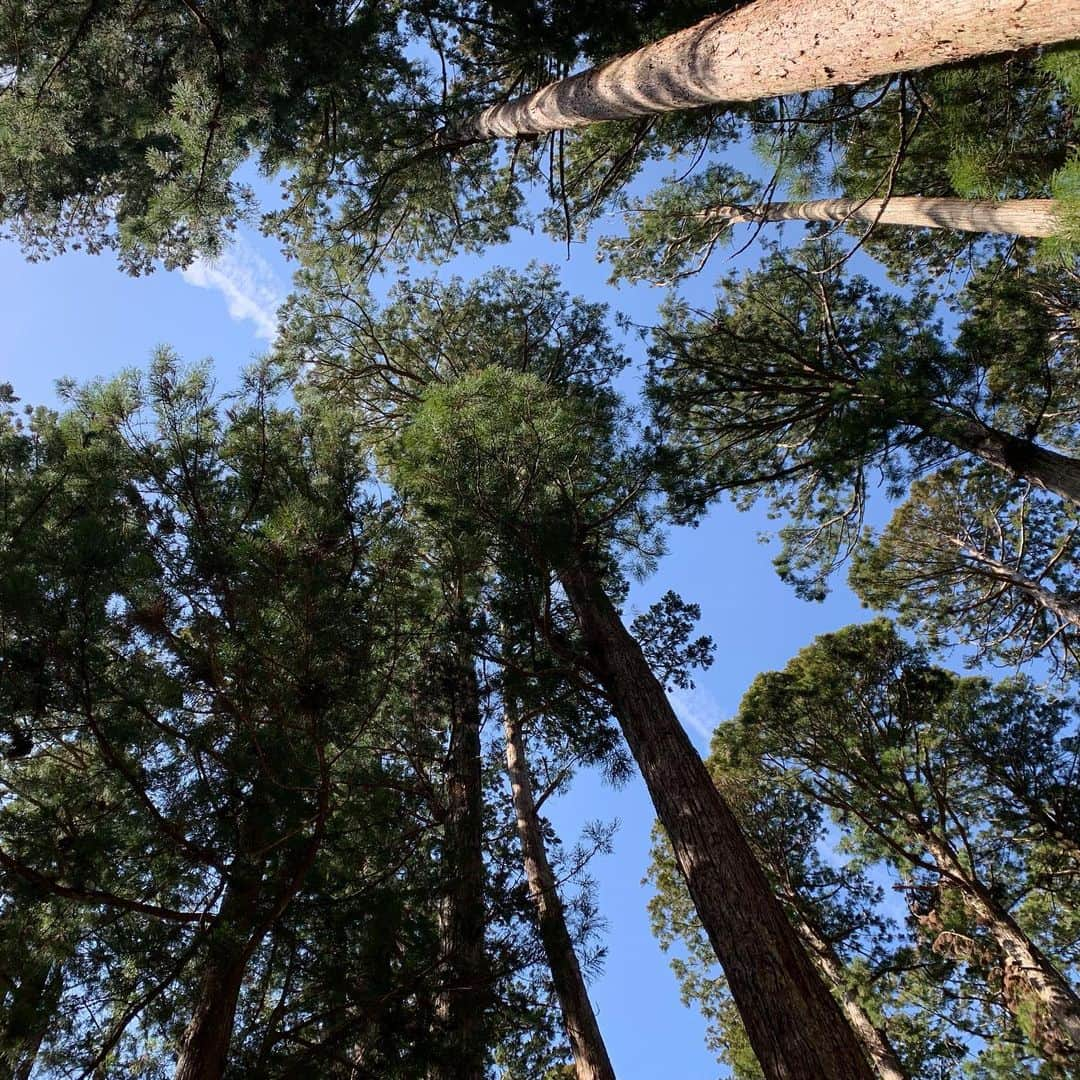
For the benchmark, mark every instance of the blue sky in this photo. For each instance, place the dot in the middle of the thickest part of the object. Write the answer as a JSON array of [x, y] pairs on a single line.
[[78, 316]]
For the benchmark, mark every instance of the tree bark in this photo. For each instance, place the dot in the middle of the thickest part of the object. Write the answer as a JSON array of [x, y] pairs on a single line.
[[1017, 217], [32, 1010], [887, 1065], [795, 1026], [205, 1045], [460, 1006], [1028, 976], [591, 1059], [1011, 454], [776, 47], [249, 907], [987, 567]]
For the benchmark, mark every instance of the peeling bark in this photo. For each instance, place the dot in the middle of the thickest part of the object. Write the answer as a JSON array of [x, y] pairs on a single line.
[[591, 1059], [776, 47], [1032, 987], [795, 1026]]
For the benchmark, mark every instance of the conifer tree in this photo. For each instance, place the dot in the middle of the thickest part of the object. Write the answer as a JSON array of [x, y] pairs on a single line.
[[974, 559], [192, 669], [804, 385], [511, 435], [863, 724]]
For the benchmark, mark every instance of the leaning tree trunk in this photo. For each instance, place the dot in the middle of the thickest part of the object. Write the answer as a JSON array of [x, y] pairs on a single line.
[[1035, 990], [985, 566], [1018, 457], [1016, 217], [776, 47], [1032, 988], [887, 1066], [590, 1054], [795, 1027], [460, 1005]]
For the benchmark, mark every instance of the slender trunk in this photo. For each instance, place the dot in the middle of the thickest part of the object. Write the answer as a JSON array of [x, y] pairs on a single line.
[[986, 566], [205, 1044], [590, 1054], [1017, 217], [1011, 454], [249, 907], [776, 47], [1033, 989], [794, 1025], [460, 1006], [887, 1065]]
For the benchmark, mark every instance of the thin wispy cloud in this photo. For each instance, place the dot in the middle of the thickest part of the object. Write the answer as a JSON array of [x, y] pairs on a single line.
[[698, 711], [248, 283]]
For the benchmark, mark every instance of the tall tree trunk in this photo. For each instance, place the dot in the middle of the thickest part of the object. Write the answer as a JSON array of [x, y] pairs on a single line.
[[205, 1045], [590, 1054], [1032, 987], [1029, 979], [1017, 217], [887, 1065], [252, 902], [795, 1027], [1011, 454], [32, 1010], [460, 1006], [775, 47]]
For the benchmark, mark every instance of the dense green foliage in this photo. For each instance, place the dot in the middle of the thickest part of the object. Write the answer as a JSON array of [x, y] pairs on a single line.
[[212, 634], [956, 792], [254, 650]]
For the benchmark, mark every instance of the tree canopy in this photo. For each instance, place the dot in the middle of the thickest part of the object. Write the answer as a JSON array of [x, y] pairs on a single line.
[[289, 675]]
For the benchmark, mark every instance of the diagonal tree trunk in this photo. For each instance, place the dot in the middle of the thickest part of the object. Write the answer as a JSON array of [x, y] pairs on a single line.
[[775, 47], [1016, 217], [590, 1054], [1011, 454], [30, 1013], [460, 1007], [881, 1052], [1032, 987], [252, 901], [795, 1026], [979, 564]]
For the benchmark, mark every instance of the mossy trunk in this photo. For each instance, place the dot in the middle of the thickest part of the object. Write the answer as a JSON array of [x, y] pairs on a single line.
[[1045, 1005]]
